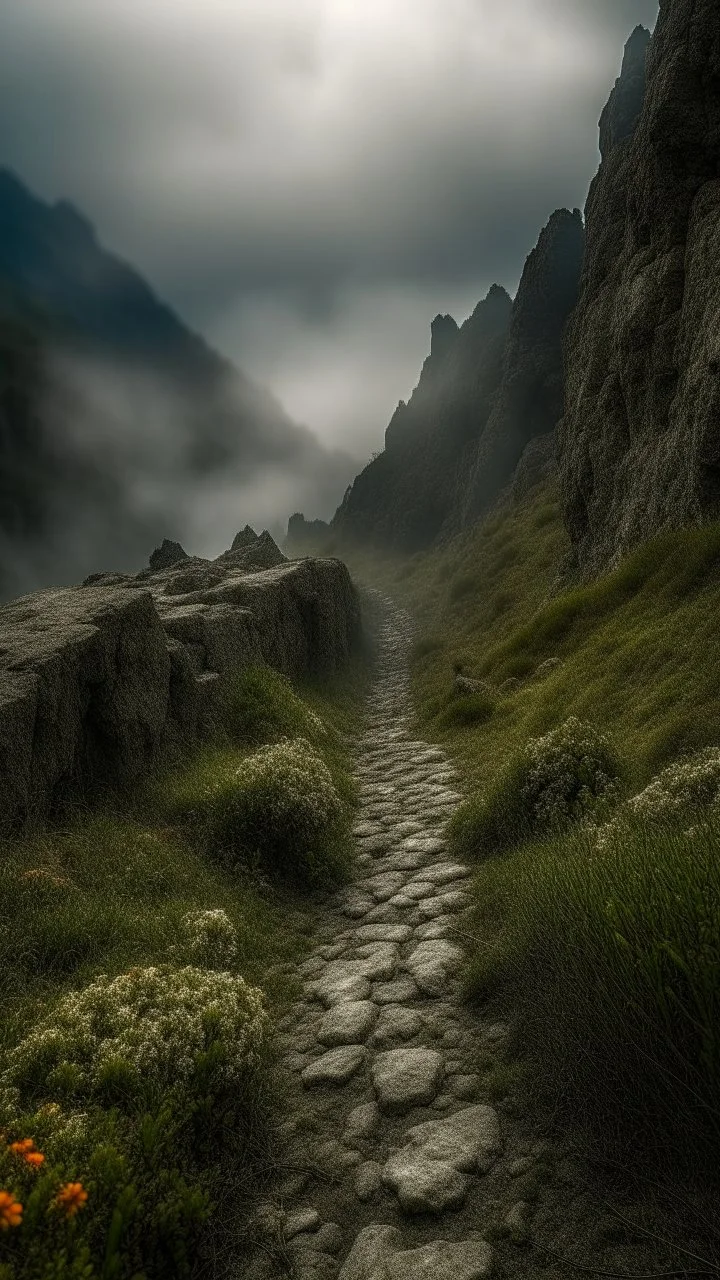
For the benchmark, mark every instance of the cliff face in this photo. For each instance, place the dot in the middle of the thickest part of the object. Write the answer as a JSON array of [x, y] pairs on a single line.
[[639, 445], [529, 400], [99, 682], [408, 492]]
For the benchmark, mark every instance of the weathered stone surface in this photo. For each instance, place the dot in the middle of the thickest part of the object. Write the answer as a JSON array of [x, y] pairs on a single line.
[[377, 1254], [430, 1173], [335, 1067], [639, 446], [343, 980], [301, 1220], [97, 681], [362, 1122], [405, 1078], [349, 1022], [396, 1023], [431, 964], [368, 1180]]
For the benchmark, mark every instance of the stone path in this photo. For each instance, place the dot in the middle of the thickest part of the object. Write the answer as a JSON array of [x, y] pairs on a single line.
[[398, 1162]]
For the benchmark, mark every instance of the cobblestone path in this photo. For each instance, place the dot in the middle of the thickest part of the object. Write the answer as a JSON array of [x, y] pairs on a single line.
[[409, 1162]]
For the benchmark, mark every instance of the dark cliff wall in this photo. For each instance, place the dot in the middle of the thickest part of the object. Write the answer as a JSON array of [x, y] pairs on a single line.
[[529, 401], [639, 445], [408, 492], [486, 391]]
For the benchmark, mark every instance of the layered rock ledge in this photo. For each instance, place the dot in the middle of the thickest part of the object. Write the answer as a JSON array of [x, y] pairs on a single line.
[[100, 681]]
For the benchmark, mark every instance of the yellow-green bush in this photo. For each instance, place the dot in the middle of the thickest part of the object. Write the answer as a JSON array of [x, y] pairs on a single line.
[[118, 1110], [554, 780]]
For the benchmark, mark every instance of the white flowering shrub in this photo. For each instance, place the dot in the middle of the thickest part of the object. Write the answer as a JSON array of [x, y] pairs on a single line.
[[556, 779], [153, 1029], [280, 806], [686, 789], [211, 938], [565, 772]]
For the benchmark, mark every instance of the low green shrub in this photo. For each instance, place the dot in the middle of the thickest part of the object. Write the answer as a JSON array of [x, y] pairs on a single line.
[[554, 780], [117, 1110], [608, 960], [278, 808], [261, 705], [464, 710], [688, 789]]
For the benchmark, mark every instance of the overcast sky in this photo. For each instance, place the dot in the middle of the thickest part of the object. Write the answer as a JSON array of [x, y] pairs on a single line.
[[310, 181]]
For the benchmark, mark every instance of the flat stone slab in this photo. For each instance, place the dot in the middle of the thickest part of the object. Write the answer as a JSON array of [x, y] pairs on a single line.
[[378, 1254], [430, 1173], [342, 980], [406, 1078], [397, 1023], [431, 964], [383, 933], [348, 1022], [398, 992], [444, 872], [335, 1067]]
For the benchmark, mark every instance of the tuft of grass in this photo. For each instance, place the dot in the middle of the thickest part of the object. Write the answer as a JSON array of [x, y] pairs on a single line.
[[464, 710], [607, 957]]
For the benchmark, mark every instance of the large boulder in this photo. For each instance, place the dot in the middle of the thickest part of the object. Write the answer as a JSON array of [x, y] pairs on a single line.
[[98, 682], [639, 446]]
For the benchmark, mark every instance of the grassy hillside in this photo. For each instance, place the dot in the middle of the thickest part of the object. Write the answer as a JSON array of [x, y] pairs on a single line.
[[600, 943], [188, 905]]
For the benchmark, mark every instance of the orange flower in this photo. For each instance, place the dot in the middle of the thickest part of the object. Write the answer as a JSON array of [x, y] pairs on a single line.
[[21, 1148], [71, 1197], [34, 1158], [10, 1211]]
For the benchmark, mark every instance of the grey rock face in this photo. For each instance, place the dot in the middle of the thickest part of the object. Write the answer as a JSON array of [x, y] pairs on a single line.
[[639, 445], [430, 1173], [97, 681], [165, 556], [529, 402]]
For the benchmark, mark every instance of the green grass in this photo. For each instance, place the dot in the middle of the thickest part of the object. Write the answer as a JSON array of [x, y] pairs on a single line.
[[108, 892], [608, 961], [606, 966]]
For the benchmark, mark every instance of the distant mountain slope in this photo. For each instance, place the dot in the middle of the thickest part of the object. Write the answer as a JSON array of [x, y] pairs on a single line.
[[486, 391], [112, 410]]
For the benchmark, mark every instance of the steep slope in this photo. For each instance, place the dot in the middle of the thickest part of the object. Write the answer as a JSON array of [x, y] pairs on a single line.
[[485, 392], [640, 444], [529, 402], [113, 414], [406, 494]]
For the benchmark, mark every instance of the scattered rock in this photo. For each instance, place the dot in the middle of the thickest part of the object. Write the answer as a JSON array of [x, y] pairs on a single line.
[[368, 1180], [335, 1067], [406, 1078], [377, 1254], [348, 1022]]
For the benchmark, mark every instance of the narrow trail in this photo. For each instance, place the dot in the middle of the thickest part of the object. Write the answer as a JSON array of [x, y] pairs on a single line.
[[399, 1164]]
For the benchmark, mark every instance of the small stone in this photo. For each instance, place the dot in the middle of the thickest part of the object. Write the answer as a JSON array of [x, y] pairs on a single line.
[[463, 1086], [383, 933], [368, 1180], [301, 1220], [349, 1022], [431, 963], [396, 1023], [517, 1222], [406, 1078], [424, 1186], [399, 992], [329, 1238], [362, 1122], [335, 1067]]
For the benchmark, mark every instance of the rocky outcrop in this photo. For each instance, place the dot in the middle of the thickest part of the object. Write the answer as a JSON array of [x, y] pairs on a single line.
[[99, 682], [529, 401], [407, 493], [305, 537], [486, 391], [639, 445], [167, 554]]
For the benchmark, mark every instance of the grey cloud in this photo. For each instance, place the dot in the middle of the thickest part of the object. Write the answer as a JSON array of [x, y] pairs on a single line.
[[291, 174]]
